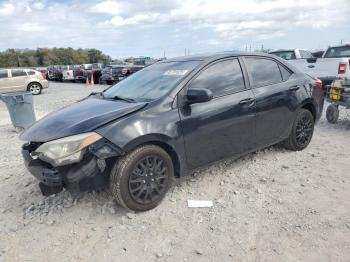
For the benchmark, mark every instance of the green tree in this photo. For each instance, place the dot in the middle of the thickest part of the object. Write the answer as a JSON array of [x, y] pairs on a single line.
[[52, 56]]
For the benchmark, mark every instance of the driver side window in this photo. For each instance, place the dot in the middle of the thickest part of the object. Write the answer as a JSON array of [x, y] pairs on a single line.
[[222, 78]]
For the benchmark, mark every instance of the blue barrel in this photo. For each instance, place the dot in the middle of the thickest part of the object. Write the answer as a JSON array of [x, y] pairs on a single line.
[[20, 107]]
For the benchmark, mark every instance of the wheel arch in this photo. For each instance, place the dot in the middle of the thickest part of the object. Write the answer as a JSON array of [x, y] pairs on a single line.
[[310, 105], [33, 82], [163, 142]]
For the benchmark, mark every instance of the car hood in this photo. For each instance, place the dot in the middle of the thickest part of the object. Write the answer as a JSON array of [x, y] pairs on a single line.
[[83, 116]]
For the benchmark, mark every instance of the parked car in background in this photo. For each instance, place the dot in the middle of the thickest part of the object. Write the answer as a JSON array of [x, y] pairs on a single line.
[[97, 72], [21, 80], [292, 54], [333, 64], [55, 73], [112, 74], [67, 73], [87, 67], [169, 119], [74, 73], [129, 70]]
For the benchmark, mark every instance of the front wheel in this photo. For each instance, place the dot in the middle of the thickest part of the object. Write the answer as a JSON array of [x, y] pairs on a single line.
[[140, 179], [302, 131], [35, 88]]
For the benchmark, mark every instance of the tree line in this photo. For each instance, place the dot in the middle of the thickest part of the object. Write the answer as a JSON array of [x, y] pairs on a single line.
[[51, 56]]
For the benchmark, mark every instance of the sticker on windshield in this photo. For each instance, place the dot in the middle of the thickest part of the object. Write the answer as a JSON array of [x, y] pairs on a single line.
[[175, 72]]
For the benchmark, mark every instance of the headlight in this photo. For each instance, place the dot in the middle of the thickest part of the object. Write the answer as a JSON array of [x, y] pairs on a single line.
[[66, 150]]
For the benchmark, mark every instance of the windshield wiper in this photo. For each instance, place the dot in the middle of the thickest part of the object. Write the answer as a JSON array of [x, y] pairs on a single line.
[[129, 100]]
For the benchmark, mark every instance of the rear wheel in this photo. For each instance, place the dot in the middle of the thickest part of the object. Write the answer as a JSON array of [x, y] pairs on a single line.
[[35, 88], [140, 180], [302, 131], [332, 114]]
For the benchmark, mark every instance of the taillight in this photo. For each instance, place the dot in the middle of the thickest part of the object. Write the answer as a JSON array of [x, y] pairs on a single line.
[[319, 84], [342, 68]]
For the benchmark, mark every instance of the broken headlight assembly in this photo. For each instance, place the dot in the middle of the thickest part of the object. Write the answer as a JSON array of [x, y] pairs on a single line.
[[66, 150]]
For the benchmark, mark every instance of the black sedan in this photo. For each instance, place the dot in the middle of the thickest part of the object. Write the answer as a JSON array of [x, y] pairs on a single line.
[[169, 119]]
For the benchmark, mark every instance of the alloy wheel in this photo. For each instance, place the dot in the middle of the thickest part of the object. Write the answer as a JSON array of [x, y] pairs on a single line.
[[304, 130], [35, 89], [149, 179]]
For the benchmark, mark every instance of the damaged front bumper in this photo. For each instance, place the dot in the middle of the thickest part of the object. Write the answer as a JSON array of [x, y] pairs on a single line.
[[92, 172]]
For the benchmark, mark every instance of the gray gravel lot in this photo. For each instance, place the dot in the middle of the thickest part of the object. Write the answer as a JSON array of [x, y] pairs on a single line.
[[273, 205]]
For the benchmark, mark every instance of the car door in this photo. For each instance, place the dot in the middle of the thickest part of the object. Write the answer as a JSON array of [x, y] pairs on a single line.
[[18, 80], [275, 97], [223, 126], [5, 84]]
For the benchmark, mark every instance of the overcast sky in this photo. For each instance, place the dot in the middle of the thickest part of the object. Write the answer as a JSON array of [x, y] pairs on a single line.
[[124, 28]]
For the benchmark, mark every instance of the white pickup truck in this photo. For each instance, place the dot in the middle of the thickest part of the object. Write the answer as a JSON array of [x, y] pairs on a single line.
[[73, 73], [333, 64]]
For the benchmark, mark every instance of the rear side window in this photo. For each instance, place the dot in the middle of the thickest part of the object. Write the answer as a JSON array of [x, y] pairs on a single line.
[[18, 72], [221, 78], [263, 71], [342, 51], [285, 73], [3, 74], [31, 72]]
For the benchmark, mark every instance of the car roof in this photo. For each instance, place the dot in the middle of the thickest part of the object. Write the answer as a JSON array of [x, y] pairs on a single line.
[[335, 46], [213, 56], [288, 50]]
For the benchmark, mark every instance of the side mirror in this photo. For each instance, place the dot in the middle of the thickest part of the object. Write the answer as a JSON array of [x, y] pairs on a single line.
[[198, 95]]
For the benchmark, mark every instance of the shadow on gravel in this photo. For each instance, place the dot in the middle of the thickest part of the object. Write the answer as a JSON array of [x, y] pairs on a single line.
[[230, 163]]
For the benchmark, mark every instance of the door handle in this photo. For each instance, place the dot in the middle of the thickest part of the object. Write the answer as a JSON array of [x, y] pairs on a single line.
[[294, 88], [249, 101], [311, 66]]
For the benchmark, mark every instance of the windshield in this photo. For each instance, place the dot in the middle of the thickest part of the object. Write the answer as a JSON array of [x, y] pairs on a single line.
[[343, 51], [287, 55], [151, 82]]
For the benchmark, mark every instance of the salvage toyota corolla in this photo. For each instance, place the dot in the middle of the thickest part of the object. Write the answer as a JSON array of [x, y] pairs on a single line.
[[170, 119]]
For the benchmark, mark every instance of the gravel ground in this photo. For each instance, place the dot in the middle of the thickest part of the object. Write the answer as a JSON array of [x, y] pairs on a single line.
[[273, 205]]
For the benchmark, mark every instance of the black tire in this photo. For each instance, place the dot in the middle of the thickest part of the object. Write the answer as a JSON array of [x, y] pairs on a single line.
[[332, 114], [35, 88], [302, 131], [136, 184]]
